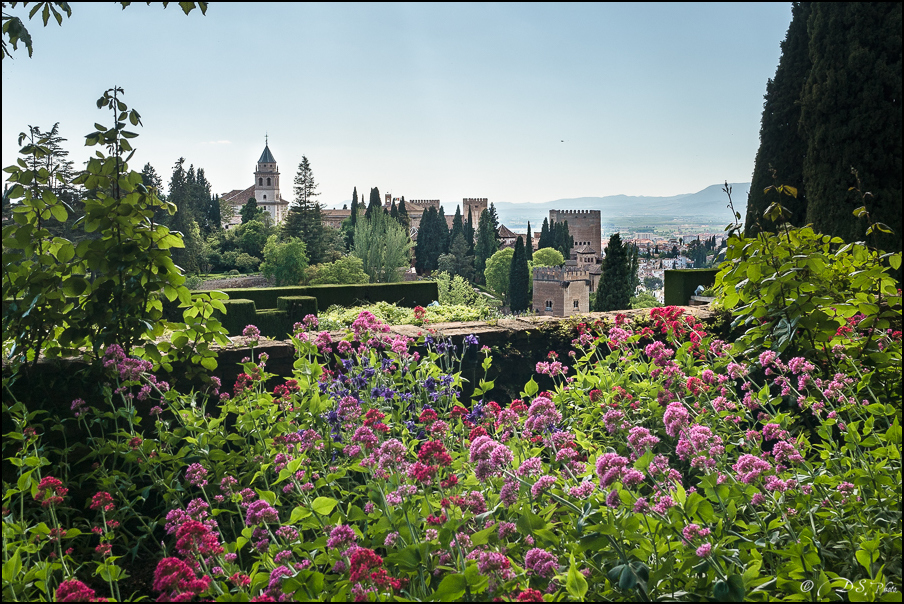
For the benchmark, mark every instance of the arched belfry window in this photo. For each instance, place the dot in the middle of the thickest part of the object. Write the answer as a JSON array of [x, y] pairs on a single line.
[[268, 182], [260, 182], [265, 196]]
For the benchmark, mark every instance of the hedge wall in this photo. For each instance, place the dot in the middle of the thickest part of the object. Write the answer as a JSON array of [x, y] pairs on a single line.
[[418, 293], [297, 307], [239, 313], [681, 283]]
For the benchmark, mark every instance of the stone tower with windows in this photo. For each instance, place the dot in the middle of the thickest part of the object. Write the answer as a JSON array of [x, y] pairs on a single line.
[[266, 185]]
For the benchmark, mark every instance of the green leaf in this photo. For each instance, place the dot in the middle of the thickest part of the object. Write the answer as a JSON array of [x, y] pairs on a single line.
[[451, 588], [59, 212], [209, 363], [865, 559], [575, 582], [531, 388], [731, 590], [324, 505], [299, 513]]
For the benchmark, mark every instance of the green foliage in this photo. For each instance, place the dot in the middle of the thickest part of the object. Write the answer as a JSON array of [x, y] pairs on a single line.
[[616, 286], [652, 282], [250, 212], [106, 289], [346, 270], [834, 106], [338, 317], [304, 220], [797, 288], [432, 240], [285, 261], [486, 244], [644, 300], [383, 247], [519, 279], [497, 271], [458, 261], [851, 114], [782, 144], [548, 256], [456, 291]]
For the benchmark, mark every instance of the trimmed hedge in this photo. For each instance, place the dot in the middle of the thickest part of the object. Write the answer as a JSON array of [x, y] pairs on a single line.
[[273, 323], [681, 283], [239, 314], [297, 307], [418, 293]]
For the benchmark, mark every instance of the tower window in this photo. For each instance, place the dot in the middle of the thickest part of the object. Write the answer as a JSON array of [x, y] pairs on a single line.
[[549, 305], [260, 182], [265, 197], [268, 182]]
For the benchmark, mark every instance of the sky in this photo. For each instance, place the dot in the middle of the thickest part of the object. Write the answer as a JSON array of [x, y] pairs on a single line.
[[512, 102]]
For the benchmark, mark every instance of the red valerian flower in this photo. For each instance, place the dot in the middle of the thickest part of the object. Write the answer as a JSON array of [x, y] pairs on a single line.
[[50, 491], [434, 452], [102, 500], [74, 591], [361, 561]]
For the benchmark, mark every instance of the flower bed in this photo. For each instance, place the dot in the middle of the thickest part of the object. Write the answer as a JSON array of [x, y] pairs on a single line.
[[663, 465]]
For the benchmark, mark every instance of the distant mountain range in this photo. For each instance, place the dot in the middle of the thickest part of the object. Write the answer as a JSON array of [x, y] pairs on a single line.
[[708, 205]]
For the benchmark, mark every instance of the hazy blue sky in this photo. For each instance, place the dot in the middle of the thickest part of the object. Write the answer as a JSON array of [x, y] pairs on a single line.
[[426, 101]]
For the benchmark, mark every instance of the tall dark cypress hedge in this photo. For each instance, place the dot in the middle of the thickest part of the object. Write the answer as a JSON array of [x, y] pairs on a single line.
[[782, 145], [851, 115], [616, 284], [518, 279]]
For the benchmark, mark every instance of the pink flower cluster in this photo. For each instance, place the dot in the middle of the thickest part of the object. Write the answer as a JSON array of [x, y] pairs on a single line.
[[178, 581], [490, 456], [541, 562], [609, 468]]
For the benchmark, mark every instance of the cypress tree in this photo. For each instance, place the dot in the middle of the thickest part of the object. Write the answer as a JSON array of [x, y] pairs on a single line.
[[614, 289], [782, 145], [486, 243], [458, 225], [394, 211], [851, 116], [545, 240], [530, 244], [404, 219], [494, 218], [374, 203], [442, 231], [518, 279], [430, 239], [469, 231], [354, 215]]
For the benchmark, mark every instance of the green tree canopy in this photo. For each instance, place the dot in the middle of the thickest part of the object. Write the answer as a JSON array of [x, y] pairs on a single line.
[[486, 244], [548, 256], [383, 247], [305, 220], [285, 261], [344, 271], [498, 268], [615, 288]]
